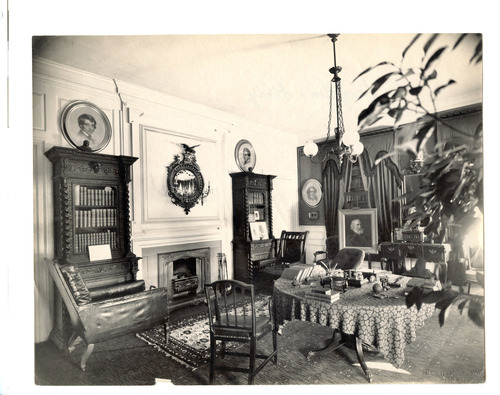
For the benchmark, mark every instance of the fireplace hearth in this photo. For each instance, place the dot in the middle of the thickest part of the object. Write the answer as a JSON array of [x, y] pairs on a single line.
[[184, 273]]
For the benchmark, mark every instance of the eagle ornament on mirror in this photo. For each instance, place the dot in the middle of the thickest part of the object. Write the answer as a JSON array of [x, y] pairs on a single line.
[[185, 183]]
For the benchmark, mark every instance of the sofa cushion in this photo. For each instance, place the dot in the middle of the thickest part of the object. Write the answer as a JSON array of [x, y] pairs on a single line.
[[117, 290], [76, 285]]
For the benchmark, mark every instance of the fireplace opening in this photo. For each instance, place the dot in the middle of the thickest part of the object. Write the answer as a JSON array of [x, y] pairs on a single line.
[[184, 274], [185, 279]]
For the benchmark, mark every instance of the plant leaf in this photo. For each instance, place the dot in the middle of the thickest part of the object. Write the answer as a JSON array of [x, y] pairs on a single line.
[[415, 91], [440, 88], [380, 81], [430, 41], [443, 315], [375, 107], [476, 313], [435, 56], [478, 53], [460, 39], [410, 45], [373, 67], [423, 135]]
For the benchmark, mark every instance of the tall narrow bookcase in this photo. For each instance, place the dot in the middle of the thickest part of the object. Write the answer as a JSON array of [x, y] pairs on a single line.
[[91, 208], [252, 205]]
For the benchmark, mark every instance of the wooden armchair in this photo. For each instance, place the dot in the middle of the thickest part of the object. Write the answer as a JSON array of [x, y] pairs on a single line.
[[292, 248], [107, 312], [232, 318]]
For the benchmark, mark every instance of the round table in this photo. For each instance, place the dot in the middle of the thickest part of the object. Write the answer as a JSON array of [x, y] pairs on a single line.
[[384, 323]]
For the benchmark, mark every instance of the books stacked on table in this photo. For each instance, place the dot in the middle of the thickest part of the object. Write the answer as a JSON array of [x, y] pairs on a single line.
[[298, 271], [323, 294]]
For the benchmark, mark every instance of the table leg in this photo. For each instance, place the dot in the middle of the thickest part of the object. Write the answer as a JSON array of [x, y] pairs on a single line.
[[361, 358], [331, 346]]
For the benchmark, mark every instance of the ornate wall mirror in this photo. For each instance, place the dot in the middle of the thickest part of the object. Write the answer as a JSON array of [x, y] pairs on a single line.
[[185, 182]]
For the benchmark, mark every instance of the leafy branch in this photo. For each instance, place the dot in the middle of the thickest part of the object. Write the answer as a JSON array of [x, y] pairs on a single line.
[[452, 188], [452, 185]]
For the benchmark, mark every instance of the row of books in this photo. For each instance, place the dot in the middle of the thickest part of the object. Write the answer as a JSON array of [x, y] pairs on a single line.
[[255, 198], [96, 217], [323, 294], [84, 240], [87, 196]]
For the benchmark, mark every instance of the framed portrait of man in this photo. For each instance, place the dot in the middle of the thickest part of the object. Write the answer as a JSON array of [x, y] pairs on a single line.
[[245, 157], [358, 228], [312, 193], [85, 126]]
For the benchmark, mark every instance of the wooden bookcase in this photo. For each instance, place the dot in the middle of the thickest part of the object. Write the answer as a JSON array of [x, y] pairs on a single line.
[[91, 207], [252, 204]]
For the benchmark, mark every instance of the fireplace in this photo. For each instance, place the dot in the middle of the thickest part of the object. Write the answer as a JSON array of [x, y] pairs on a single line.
[[184, 274]]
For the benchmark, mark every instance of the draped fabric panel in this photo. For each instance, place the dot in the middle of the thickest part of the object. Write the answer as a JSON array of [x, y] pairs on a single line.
[[385, 181], [334, 185], [381, 182]]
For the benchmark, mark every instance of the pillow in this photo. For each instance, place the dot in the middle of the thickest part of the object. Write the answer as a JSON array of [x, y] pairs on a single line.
[[76, 285]]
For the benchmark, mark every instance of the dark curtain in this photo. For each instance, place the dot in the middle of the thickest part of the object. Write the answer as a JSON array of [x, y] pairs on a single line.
[[334, 185], [381, 182]]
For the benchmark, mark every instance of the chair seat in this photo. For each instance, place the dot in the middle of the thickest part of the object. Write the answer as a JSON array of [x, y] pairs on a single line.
[[263, 325]]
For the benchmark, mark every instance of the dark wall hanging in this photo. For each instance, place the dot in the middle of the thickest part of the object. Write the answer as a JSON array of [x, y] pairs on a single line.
[[185, 182]]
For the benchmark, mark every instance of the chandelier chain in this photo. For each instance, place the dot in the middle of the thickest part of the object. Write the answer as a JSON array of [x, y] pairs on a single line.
[[330, 112]]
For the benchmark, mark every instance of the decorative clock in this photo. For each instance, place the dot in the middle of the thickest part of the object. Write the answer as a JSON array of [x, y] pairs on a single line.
[[185, 182]]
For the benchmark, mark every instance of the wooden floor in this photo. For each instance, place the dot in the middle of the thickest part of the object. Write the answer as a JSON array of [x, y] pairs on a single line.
[[451, 354]]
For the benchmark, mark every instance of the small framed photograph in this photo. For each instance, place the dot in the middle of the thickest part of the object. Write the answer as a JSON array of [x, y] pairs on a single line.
[[358, 228], [259, 231], [85, 126], [244, 154], [256, 215], [312, 192]]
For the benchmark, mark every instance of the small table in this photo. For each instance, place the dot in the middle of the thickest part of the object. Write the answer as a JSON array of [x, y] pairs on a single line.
[[386, 324]]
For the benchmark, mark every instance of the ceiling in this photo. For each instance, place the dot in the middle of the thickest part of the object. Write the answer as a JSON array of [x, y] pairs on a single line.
[[278, 80]]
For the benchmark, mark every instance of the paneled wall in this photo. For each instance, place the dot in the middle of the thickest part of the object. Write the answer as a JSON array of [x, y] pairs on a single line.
[[150, 126]]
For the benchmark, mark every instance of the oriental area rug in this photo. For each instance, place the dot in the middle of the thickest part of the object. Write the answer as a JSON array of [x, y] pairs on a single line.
[[189, 338]]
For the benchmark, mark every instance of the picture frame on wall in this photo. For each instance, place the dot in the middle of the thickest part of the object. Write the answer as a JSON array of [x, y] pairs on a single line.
[[312, 193], [244, 155], [85, 126], [358, 228]]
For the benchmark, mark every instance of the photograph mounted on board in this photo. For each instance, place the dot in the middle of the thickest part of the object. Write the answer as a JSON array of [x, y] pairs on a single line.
[[358, 228], [259, 230], [85, 126]]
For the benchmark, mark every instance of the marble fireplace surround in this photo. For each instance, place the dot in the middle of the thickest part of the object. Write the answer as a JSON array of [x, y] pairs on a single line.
[[156, 264]]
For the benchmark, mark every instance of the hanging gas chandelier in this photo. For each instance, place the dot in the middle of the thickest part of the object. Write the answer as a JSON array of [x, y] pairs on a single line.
[[345, 144]]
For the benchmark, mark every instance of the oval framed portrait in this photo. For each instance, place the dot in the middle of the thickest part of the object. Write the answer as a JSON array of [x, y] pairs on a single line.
[[245, 157], [85, 126], [312, 192]]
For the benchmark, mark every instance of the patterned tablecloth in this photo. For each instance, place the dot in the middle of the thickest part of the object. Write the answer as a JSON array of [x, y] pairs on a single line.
[[386, 324]]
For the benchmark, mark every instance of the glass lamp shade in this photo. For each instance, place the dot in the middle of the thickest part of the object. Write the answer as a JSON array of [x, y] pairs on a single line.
[[310, 149], [350, 138], [357, 148]]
